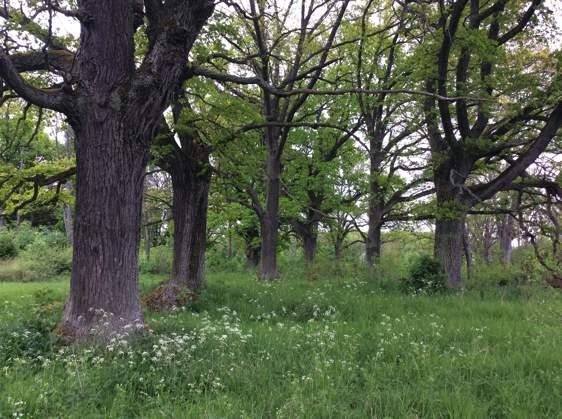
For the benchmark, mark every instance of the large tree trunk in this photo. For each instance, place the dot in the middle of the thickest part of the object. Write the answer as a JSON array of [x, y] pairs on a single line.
[[449, 227], [104, 298], [449, 177], [191, 197], [307, 231], [189, 168], [310, 242], [270, 222], [449, 248], [373, 244], [114, 107]]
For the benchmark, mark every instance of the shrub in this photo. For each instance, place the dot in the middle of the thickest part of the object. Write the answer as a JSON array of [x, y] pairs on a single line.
[[24, 235], [425, 275], [7, 246], [46, 260]]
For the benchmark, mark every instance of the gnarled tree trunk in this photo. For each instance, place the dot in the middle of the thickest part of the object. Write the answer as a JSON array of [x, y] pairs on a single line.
[[104, 282], [115, 111]]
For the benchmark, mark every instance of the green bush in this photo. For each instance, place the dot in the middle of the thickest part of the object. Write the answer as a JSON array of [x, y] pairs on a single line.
[[24, 235], [46, 260], [425, 276], [7, 246]]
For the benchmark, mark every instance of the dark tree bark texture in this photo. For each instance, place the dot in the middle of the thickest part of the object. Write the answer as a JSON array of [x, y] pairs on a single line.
[[114, 108]]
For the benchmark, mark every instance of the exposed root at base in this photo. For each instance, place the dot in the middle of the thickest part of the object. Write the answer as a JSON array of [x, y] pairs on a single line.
[[169, 296]]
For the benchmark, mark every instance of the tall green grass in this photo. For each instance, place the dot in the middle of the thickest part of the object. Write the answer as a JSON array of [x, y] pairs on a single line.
[[329, 347]]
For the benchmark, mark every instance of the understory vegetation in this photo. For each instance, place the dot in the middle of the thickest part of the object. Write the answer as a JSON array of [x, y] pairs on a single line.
[[334, 346]]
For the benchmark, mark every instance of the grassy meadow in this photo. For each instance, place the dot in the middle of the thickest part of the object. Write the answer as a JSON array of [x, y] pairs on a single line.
[[333, 347]]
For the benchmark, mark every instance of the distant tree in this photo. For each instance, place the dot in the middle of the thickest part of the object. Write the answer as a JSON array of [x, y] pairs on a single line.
[[507, 105]]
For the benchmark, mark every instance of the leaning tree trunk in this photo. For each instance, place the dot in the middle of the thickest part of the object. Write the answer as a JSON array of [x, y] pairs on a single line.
[[104, 298], [270, 222], [191, 198]]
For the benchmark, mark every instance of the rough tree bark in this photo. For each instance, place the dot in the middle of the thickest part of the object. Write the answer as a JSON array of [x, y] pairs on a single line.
[[310, 244], [373, 243], [114, 108], [186, 158], [190, 184], [270, 221], [449, 177], [452, 137]]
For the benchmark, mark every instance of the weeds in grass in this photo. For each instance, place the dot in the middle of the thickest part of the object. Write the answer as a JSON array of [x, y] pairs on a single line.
[[329, 348]]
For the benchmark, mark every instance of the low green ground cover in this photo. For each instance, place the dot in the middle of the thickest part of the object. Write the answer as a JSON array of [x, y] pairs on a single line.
[[331, 347]]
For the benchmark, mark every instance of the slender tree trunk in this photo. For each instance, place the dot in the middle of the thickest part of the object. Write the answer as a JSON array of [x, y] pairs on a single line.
[[229, 252], [147, 237], [68, 217], [376, 203], [338, 248], [67, 210], [109, 183], [507, 233], [467, 251], [191, 197], [487, 242], [270, 222]]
